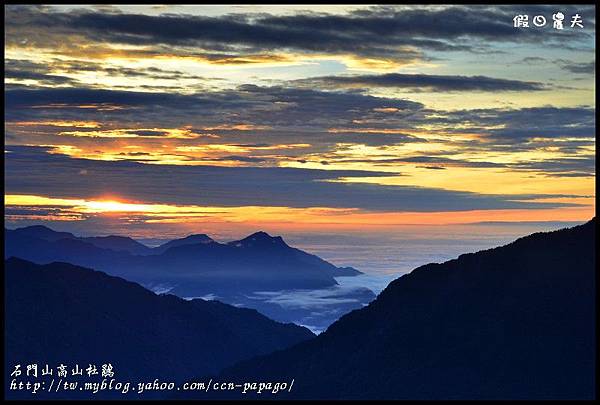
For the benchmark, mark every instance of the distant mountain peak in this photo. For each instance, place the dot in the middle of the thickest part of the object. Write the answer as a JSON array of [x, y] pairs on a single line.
[[194, 239], [259, 238], [198, 238], [112, 237], [262, 235], [42, 231], [118, 243], [37, 227]]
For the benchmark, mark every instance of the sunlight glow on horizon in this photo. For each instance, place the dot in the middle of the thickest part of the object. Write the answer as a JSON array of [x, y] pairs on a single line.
[[291, 218]]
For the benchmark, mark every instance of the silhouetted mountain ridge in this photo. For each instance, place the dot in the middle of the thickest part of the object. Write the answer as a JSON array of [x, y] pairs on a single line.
[[261, 239], [61, 313], [42, 232], [514, 322]]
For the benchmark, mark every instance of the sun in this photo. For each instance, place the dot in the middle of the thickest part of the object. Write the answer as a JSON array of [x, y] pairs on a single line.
[[116, 206]]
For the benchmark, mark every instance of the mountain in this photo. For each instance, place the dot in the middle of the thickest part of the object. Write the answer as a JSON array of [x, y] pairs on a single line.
[[514, 322], [119, 243], [188, 240], [112, 242], [61, 313], [50, 248], [259, 239], [190, 267], [258, 262], [41, 232], [259, 271]]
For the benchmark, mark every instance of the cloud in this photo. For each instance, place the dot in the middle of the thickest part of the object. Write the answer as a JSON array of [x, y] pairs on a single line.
[[423, 82], [576, 67], [517, 125], [314, 113], [206, 127], [58, 72], [31, 170], [394, 33], [284, 108], [580, 166], [315, 309], [588, 68], [21, 70], [76, 96], [438, 160]]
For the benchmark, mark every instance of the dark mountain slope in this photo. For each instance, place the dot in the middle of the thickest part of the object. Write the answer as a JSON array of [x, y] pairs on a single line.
[[60, 313], [512, 322]]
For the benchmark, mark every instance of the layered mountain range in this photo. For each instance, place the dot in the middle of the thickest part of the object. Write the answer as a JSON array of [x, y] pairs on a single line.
[[193, 266], [513, 322]]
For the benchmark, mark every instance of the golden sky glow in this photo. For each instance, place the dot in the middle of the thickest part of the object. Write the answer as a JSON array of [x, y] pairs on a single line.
[[270, 121], [297, 219]]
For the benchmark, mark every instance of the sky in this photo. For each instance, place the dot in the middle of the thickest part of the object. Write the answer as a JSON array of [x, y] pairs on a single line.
[[160, 121]]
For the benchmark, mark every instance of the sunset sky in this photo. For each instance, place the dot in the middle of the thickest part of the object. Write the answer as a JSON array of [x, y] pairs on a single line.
[[164, 120]]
